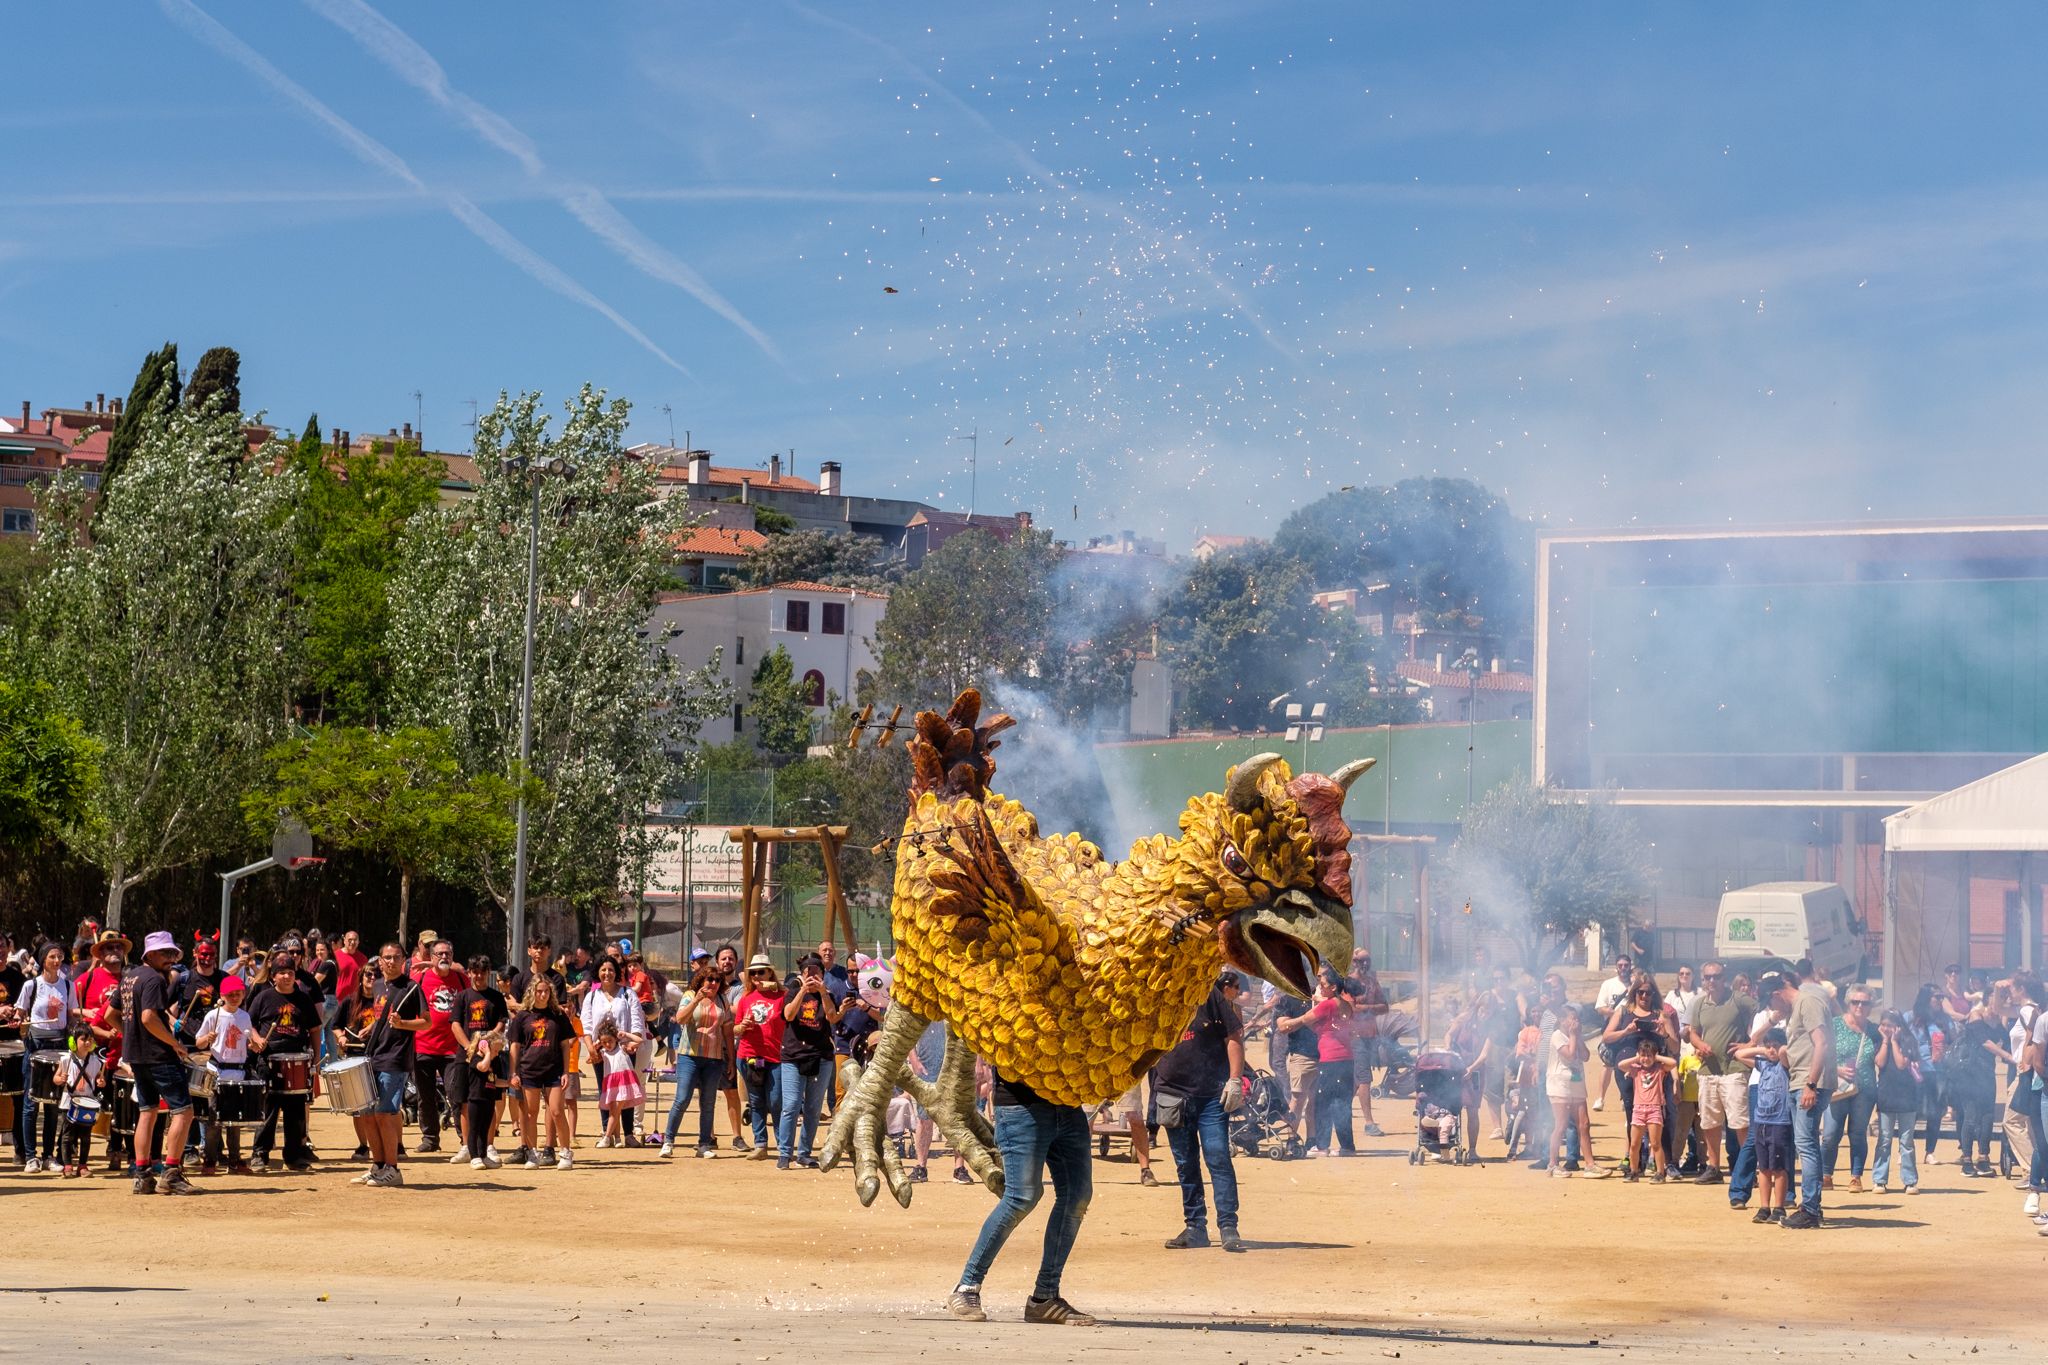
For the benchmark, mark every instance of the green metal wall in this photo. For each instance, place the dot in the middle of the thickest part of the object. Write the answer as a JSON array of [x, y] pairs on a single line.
[[1424, 779]]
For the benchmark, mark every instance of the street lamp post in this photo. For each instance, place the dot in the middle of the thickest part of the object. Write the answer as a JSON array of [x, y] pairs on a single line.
[[560, 468], [1308, 728], [1469, 661]]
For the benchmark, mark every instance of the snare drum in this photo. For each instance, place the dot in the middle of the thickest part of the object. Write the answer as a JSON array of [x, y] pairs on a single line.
[[351, 1088], [199, 1077], [123, 1102], [83, 1110], [43, 1083], [13, 1067], [239, 1104], [291, 1073]]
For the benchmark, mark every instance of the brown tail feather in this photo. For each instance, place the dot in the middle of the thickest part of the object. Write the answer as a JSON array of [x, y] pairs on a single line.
[[951, 754]]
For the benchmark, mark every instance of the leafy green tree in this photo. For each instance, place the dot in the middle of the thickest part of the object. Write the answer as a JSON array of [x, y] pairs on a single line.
[[977, 611], [351, 521], [150, 400], [1541, 870], [168, 633], [400, 795], [1447, 547], [1241, 630], [310, 445], [839, 561], [46, 765], [777, 705], [218, 375], [23, 563], [614, 721], [770, 522]]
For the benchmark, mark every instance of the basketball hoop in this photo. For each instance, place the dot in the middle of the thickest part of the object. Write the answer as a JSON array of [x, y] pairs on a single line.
[[298, 864]]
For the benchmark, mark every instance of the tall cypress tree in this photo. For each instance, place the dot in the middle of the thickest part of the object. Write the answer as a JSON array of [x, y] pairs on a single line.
[[310, 446], [151, 399], [219, 371]]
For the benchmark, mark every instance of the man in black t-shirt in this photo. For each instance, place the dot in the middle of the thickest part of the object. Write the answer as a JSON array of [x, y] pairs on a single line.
[[399, 1013], [153, 1052], [284, 1019], [1290, 1025], [1205, 1075]]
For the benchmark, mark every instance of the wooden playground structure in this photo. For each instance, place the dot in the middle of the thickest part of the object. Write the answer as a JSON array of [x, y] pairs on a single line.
[[754, 841]]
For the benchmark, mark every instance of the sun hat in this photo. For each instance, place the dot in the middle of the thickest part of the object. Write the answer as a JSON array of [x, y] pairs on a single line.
[[161, 941], [112, 936], [760, 963]]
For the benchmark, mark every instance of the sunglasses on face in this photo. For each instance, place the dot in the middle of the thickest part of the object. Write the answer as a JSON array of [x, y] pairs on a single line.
[[1711, 976]]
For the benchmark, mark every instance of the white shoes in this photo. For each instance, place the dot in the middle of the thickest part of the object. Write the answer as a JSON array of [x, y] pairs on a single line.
[[668, 1149], [1600, 1103], [484, 1163], [491, 1153], [458, 1158], [565, 1162], [2033, 1204], [603, 1141], [365, 1178]]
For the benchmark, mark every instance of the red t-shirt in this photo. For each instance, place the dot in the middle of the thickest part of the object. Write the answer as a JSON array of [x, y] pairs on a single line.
[[758, 1022], [93, 992], [348, 972], [1332, 1025], [441, 993]]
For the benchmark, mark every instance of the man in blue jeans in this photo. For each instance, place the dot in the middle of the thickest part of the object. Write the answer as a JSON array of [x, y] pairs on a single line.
[[1034, 1137], [1810, 1057], [1202, 1078]]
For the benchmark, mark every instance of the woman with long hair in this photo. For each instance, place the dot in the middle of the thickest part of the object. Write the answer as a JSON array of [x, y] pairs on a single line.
[[1640, 1015], [540, 1037]]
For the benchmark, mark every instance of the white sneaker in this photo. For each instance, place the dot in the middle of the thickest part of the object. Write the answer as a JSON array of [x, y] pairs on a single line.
[[491, 1153], [668, 1149], [532, 1162], [565, 1162], [1911, 1189], [1600, 1104], [2033, 1204], [458, 1158], [365, 1178], [603, 1141], [476, 1163]]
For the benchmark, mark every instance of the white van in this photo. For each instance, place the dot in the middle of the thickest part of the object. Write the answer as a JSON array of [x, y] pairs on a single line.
[[1792, 920]]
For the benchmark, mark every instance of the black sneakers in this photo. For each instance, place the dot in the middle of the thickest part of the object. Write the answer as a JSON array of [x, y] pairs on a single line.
[[1800, 1218], [1188, 1238], [1056, 1311]]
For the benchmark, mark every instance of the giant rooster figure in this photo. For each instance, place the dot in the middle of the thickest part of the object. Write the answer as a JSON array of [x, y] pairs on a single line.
[[1069, 973]]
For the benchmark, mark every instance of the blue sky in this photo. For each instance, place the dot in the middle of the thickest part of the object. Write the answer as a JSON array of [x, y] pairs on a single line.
[[1184, 266]]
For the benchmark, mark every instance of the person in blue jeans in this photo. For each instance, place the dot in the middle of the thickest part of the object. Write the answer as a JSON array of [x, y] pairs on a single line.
[[1203, 1078], [809, 1012], [1810, 1058], [1742, 1164], [703, 1047], [1035, 1138]]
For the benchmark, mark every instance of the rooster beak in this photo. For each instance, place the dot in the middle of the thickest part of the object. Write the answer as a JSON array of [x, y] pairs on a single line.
[[1287, 941]]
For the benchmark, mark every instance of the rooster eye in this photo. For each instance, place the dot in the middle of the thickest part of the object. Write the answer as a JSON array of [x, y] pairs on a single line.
[[1234, 862]]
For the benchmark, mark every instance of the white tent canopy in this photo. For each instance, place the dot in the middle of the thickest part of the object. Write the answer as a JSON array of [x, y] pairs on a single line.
[[2005, 812]]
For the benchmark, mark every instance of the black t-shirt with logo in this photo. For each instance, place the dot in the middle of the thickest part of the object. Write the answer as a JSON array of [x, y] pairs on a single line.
[[286, 1018], [540, 1035], [151, 990], [480, 1011], [389, 1048], [1200, 1063], [808, 1036]]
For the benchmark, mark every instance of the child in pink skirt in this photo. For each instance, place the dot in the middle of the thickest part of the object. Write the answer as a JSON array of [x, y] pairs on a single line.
[[619, 1091]]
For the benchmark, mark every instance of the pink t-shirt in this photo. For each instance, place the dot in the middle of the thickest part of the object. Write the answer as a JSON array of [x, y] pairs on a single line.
[[1649, 1105]]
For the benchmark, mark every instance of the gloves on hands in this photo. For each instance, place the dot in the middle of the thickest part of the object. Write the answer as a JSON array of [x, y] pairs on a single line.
[[1233, 1096]]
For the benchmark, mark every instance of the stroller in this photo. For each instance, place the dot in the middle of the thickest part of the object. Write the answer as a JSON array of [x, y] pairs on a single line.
[[1261, 1127], [1397, 1055], [1444, 1102]]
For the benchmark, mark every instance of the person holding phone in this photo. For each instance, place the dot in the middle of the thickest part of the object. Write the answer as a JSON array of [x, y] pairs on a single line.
[[809, 1012]]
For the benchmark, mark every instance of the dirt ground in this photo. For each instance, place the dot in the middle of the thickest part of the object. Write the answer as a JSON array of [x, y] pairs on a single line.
[[725, 1259]]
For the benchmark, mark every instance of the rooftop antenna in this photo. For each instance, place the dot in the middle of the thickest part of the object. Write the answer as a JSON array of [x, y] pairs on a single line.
[[472, 423], [419, 420], [671, 414]]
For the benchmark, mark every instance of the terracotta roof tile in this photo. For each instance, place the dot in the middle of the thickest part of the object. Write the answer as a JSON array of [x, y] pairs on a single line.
[[1416, 671]]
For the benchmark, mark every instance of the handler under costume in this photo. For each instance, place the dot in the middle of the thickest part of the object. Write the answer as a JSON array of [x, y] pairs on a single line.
[[1073, 975]]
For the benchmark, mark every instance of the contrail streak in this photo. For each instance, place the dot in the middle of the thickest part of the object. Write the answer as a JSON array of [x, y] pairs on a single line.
[[487, 229], [414, 65]]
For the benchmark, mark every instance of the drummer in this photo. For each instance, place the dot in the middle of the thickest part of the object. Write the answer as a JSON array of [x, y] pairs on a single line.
[[46, 1004], [224, 1032], [284, 1019]]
